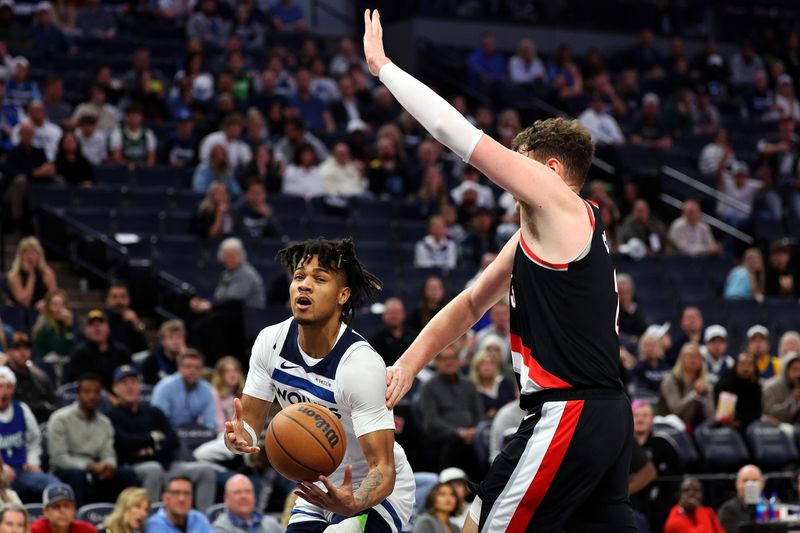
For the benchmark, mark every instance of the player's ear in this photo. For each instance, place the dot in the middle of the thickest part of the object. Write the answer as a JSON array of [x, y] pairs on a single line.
[[555, 165], [344, 295]]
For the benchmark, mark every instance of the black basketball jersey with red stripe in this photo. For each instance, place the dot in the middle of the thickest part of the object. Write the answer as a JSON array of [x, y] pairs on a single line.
[[564, 318]]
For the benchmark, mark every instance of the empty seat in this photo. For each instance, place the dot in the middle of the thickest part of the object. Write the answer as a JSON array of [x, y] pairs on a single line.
[[679, 440], [177, 222], [67, 393], [139, 222], [99, 197], [50, 195], [35, 510], [772, 448], [95, 513], [155, 198], [159, 176], [179, 246], [214, 511], [721, 446], [112, 175], [186, 200], [327, 227], [257, 319], [100, 220]]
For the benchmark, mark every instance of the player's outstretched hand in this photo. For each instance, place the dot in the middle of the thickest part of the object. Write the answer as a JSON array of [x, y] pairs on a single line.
[[339, 500], [236, 437], [398, 383], [373, 42]]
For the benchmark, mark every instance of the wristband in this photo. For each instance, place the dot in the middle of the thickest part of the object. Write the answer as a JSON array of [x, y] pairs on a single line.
[[250, 431]]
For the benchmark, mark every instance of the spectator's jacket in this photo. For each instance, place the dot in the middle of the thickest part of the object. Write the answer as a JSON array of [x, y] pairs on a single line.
[[157, 366], [74, 440], [196, 522], [36, 390], [20, 439], [748, 396], [767, 367], [42, 525], [132, 435], [228, 523], [87, 357], [778, 398], [448, 404], [703, 520]]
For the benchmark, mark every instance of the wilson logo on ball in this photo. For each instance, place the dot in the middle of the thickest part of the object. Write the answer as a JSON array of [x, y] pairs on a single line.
[[320, 423]]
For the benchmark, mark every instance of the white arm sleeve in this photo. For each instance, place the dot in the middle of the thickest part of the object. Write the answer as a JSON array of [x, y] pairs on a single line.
[[361, 379], [441, 119]]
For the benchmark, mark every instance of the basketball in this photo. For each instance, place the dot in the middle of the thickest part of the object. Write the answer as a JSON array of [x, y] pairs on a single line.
[[305, 441]]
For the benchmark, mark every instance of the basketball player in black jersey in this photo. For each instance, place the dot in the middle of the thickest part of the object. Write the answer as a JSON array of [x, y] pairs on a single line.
[[566, 468]]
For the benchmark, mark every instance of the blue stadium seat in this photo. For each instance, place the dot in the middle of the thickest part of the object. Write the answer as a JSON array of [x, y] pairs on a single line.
[[767, 229], [371, 210], [35, 510], [98, 197], [679, 440], [155, 198], [159, 176], [721, 446], [13, 316], [409, 230], [50, 195], [186, 246], [286, 205], [257, 319], [67, 393], [327, 227], [772, 448], [370, 231], [100, 220], [113, 175], [139, 222], [214, 511], [425, 482], [186, 200], [177, 222], [95, 513], [191, 437]]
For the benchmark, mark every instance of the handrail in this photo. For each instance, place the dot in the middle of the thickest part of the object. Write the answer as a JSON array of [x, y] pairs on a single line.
[[711, 221], [702, 187]]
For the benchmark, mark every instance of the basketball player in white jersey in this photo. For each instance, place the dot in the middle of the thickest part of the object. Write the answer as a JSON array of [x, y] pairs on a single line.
[[316, 357]]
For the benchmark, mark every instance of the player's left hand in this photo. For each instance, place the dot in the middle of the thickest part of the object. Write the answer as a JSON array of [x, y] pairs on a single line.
[[337, 500], [373, 42]]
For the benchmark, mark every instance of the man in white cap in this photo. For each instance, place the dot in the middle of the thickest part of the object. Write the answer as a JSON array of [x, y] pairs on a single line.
[[767, 365], [20, 440], [715, 353]]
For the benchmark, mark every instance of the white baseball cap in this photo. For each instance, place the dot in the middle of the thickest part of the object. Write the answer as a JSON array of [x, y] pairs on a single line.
[[7, 375], [712, 332], [758, 329], [452, 474]]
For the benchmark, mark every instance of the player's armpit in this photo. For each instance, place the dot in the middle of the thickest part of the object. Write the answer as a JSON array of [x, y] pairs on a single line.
[[378, 448]]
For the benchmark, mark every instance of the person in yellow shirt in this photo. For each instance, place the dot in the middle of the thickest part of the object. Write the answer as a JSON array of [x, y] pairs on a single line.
[[767, 365]]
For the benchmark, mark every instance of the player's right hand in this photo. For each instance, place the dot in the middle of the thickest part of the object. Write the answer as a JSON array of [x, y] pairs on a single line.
[[236, 438], [398, 383], [373, 42]]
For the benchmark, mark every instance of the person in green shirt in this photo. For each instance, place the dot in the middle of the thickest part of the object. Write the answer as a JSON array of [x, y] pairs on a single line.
[[54, 329]]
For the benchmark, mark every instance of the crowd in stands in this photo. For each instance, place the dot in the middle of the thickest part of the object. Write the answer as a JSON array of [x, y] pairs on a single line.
[[252, 109]]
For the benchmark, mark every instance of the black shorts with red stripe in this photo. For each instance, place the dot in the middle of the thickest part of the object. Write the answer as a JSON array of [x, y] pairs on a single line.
[[566, 468]]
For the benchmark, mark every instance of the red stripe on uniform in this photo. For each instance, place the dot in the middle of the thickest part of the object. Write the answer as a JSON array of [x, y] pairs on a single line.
[[547, 470], [536, 259], [591, 213], [542, 377]]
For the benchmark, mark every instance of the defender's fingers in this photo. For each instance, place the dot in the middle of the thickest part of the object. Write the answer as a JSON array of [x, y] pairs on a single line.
[[237, 409]]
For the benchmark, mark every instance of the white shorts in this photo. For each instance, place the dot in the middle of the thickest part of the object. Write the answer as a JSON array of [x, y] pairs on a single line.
[[395, 510]]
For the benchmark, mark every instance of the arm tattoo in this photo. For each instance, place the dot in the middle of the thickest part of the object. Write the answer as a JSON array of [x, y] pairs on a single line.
[[368, 486]]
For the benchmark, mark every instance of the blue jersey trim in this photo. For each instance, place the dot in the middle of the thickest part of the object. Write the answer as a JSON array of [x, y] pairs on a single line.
[[296, 381], [397, 523]]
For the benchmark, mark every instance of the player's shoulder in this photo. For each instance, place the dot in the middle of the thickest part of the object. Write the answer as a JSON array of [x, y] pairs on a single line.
[[271, 335], [360, 351]]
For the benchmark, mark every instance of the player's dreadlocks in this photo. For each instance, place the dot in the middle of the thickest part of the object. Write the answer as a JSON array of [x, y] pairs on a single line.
[[340, 256]]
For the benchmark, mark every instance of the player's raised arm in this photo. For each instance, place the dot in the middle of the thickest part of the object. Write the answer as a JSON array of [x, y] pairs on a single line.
[[249, 416], [451, 322], [531, 182]]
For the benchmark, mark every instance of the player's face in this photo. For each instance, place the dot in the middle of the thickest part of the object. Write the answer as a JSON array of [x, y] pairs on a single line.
[[317, 293]]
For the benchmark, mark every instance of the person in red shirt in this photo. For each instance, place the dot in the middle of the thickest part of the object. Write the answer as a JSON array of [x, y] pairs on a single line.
[[59, 512], [689, 515]]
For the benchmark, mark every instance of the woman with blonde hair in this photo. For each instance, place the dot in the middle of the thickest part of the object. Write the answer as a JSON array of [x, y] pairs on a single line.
[[7, 495], [30, 277], [685, 391], [495, 389], [214, 215], [54, 329], [13, 518], [746, 281], [130, 512], [227, 383]]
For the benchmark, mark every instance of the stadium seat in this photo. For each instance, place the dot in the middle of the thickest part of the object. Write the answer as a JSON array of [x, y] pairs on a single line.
[[155, 507], [99, 220], [112, 175], [721, 446], [214, 511], [186, 200], [191, 437], [67, 393], [772, 448], [159, 176], [95, 513], [50, 195], [257, 319], [328, 227], [14, 317], [139, 222], [154, 198], [680, 441], [99, 198], [177, 222], [425, 482], [146, 393], [35, 510]]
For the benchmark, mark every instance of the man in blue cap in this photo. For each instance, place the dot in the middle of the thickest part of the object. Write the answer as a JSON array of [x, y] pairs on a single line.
[[59, 512]]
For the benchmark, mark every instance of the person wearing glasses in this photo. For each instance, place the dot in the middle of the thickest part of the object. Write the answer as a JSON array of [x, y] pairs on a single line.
[[177, 514]]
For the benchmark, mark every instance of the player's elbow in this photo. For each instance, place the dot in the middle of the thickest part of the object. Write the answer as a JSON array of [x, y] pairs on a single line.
[[439, 130]]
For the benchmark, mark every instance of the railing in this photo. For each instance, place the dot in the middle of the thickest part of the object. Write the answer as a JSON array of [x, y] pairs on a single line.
[[711, 221], [705, 189], [318, 6]]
